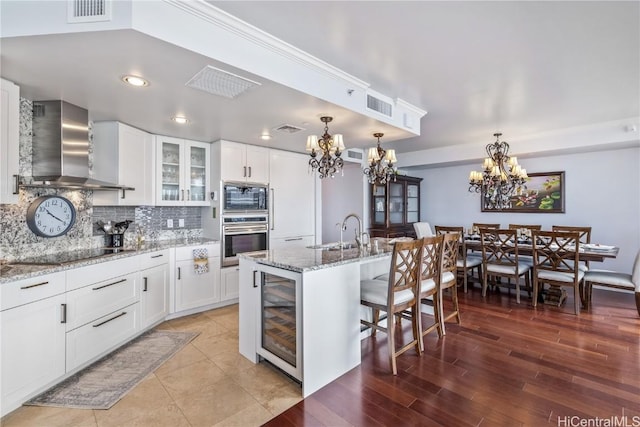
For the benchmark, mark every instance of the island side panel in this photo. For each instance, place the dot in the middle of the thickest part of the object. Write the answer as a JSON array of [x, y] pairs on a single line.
[[331, 324], [248, 310]]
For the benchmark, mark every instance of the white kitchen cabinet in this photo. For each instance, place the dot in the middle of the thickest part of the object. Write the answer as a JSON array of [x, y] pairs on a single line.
[[183, 172], [244, 163], [195, 289], [230, 279], [154, 295], [126, 156], [288, 224], [32, 353], [9, 141]]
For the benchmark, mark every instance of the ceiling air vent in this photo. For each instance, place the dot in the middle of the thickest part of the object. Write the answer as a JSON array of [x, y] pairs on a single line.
[[379, 105], [288, 128], [88, 11], [219, 82]]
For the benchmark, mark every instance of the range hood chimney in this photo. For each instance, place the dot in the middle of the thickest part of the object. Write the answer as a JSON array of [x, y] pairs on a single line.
[[60, 156]]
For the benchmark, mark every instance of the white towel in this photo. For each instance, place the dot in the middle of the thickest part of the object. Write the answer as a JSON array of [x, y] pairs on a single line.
[[201, 260]]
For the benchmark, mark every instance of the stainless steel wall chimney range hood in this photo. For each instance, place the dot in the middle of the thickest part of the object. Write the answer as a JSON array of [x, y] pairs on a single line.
[[60, 156]]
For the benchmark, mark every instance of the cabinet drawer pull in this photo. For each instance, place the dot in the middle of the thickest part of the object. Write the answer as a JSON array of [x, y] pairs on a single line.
[[16, 186], [293, 239], [182, 194], [63, 313], [145, 284], [34, 285], [109, 320], [249, 171], [109, 284], [179, 273], [156, 256], [245, 172]]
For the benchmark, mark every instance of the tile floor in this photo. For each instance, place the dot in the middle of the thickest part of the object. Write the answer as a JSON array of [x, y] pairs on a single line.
[[208, 383]]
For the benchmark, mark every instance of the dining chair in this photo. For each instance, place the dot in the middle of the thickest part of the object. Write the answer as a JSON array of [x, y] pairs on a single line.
[[613, 279], [422, 229], [448, 276], [555, 262], [585, 237], [467, 262], [500, 259], [399, 293]]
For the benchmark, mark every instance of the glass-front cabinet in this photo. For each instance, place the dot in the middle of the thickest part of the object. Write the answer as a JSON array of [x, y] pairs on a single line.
[[183, 172], [395, 206]]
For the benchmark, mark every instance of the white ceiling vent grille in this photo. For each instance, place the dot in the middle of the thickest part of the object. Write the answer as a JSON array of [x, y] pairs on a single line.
[[379, 105], [88, 11], [286, 128], [219, 82]]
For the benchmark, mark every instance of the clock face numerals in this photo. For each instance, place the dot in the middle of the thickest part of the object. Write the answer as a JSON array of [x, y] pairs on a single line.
[[51, 216]]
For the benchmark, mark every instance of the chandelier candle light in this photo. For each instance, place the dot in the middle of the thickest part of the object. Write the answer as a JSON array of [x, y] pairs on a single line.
[[381, 162], [330, 147], [501, 178]]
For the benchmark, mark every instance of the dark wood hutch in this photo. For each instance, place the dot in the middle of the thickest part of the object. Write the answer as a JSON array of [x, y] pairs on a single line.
[[395, 206]]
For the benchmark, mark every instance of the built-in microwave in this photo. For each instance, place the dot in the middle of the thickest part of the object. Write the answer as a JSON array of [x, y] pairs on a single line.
[[244, 198]]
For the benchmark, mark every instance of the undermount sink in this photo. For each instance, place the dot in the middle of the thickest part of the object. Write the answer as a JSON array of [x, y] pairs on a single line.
[[335, 246]]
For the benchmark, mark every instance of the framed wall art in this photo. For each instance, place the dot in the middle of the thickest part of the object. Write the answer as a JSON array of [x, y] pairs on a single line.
[[543, 193]]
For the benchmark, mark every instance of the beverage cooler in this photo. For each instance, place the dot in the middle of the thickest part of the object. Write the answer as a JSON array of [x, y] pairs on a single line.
[[280, 328]]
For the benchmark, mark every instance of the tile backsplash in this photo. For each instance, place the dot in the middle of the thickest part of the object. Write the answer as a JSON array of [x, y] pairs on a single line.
[[18, 242]]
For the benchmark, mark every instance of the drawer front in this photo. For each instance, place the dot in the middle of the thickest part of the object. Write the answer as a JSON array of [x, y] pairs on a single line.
[[152, 259], [25, 291], [83, 276], [99, 299], [186, 253], [94, 339]]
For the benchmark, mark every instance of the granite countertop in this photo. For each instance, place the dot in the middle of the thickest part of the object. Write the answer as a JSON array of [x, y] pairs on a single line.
[[308, 259], [16, 271]]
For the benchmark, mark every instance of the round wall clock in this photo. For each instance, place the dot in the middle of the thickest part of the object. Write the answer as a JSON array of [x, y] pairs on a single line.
[[51, 216]]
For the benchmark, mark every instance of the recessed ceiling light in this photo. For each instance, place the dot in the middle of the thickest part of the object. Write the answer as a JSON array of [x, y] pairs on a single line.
[[135, 81], [180, 120], [265, 136]]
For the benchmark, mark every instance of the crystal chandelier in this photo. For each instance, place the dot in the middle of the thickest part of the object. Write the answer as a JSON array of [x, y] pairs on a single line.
[[381, 162], [330, 148], [501, 178]]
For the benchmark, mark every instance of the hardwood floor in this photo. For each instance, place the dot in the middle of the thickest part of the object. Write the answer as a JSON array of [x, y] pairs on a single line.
[[507, 364]]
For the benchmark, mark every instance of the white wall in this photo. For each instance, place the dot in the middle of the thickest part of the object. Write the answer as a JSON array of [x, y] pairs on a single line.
[[602, 190], [341, 196]]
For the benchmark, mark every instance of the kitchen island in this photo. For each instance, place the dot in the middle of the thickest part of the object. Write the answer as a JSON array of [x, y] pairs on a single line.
[[300, 309]]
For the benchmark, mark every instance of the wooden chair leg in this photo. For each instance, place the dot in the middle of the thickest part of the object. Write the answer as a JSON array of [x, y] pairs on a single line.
[[517, 279], [535, 292], [391, 343], [485, 280], [638, 302], [454, 297], [437, 313], [376, 319], [576, 299], [417, 329]]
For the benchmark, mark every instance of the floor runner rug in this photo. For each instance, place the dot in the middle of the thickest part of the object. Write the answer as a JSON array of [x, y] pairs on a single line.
[[103, 383]]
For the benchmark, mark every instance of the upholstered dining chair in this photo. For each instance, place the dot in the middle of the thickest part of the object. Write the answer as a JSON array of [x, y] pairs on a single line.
[[448, 276], [585, 237], [555, 262], [422, 229], [613, 279], [395, 295], [467, 262], [500, 258]]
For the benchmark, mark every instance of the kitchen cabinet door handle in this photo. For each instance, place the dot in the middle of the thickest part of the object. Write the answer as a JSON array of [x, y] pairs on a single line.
[[16, 188], [254, 279], [63, 313], [273, 208], [34, 285], [109, 320], [156, 256], [110, 284], [188, 194], [249, 171], [293, 239], [145, 279], [182, 194], [244, 174], [179, 273]]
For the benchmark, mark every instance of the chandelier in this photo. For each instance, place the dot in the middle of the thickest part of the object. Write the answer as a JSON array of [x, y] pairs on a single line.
[[330, 148], [502, 177], [381, 162]]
